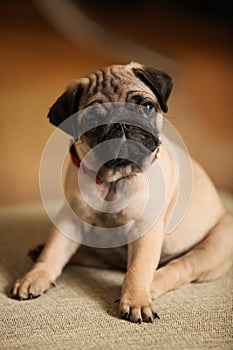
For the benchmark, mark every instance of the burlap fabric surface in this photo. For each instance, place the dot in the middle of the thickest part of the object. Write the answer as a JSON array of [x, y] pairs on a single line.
[[80, 312]]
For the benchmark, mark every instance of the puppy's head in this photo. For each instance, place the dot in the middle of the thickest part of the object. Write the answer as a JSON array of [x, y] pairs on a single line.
[[121, 102]]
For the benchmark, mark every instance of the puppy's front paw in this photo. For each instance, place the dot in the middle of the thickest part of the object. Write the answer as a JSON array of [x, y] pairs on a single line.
[[137, 308], [32, 285]]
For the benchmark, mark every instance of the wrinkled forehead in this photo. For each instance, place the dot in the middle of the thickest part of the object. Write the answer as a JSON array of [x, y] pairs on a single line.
[[113, 84]]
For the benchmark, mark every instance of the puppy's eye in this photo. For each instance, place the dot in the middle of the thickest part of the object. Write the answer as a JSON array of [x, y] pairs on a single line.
[[148, 108], [148, 105]]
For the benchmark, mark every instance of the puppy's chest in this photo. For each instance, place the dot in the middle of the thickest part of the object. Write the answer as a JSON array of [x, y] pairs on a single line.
[[110, 192], [119, 202]]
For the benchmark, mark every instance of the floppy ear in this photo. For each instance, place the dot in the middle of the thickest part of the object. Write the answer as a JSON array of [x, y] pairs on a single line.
[[159, 82], [66, 105]]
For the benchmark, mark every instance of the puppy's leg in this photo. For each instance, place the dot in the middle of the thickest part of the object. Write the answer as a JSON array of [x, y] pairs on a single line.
[[143, 258], [208, 260], [48, 267]]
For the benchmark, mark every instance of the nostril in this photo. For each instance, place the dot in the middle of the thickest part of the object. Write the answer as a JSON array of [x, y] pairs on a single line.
[[125, 126], [118, 126]]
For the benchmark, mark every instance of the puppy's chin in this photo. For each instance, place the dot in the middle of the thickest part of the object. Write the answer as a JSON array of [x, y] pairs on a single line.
[[116, 169]]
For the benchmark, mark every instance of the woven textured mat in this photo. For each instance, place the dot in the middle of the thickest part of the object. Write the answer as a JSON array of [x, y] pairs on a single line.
[[81, 314]]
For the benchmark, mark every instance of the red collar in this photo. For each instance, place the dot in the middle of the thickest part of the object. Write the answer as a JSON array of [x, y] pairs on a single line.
[[77, 161]]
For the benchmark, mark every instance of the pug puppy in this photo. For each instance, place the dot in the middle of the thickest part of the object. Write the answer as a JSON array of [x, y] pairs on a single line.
[[199, 249]]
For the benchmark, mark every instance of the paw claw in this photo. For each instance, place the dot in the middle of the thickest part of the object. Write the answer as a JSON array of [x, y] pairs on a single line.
[[126, 316], [13, 295], [32, 296]]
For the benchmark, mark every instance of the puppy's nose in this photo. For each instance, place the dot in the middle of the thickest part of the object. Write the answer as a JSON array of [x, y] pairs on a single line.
[[116, 131]]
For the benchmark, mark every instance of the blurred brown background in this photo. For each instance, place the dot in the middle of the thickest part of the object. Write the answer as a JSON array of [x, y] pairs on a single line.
[[38, 61]]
